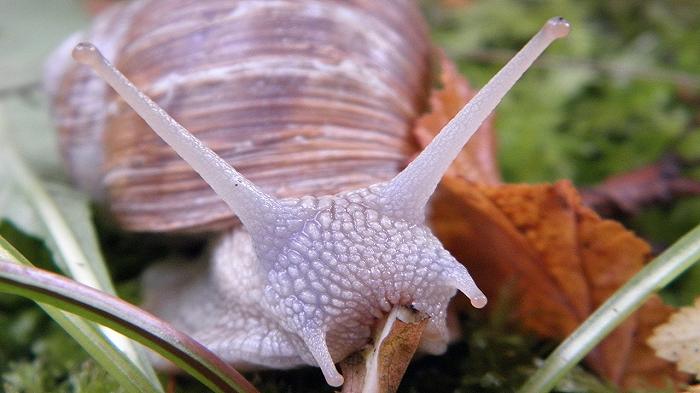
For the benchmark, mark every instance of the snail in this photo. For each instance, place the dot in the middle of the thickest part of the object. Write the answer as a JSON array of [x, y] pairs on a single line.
[[305, 278]]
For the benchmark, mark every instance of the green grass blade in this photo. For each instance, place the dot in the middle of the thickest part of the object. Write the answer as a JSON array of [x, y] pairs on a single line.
[[653, 277], [129, 320], [91, 338], [71, 259], [65, 234]]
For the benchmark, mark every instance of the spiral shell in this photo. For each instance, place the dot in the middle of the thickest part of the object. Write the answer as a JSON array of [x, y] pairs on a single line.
[[305, 97]]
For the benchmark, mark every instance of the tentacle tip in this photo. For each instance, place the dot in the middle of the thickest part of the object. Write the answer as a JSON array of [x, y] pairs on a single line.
[[316, 343], [558, 27], [335, 379], [331, 374], [479, 301], [86, 53], [465, 284]]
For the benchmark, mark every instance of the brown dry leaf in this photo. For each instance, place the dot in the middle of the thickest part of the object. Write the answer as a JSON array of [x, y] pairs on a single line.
[[561, 257], [629, 192], [678, 340], [381, 367]]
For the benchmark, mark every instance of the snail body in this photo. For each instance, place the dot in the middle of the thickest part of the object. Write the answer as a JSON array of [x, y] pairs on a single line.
[[306, 277]]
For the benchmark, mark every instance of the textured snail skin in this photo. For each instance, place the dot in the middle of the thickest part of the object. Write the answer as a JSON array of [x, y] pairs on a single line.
[[316, 272], [320, 285]]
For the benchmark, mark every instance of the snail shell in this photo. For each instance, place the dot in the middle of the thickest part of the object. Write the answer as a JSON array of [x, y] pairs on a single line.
[[303, 97]]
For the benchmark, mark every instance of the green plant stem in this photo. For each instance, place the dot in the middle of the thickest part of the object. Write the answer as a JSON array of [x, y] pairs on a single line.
[[129, 320], [73, 260], [91, 339], [653, 277]]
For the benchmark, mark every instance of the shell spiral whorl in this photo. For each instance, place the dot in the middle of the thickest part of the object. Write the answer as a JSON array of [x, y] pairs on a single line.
[[303, 97]]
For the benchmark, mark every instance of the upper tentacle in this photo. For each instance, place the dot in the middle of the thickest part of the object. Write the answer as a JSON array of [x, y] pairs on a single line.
[[408, 193], [254, 207]]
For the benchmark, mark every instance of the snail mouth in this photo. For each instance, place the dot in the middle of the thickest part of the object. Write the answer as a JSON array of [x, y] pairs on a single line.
[[361, 330], [404, 314], [399, 315]]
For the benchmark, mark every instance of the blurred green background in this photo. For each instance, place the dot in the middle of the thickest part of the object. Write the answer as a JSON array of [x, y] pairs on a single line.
[[619, 93]]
